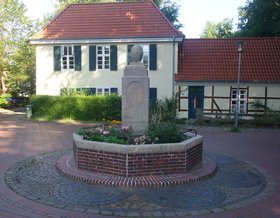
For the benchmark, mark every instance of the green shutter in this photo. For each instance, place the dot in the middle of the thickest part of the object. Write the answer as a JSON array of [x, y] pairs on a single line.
[[114, 57], [92, 58], [78, 57], [128, 51], [57, 58], [153, 96], [153, 57]]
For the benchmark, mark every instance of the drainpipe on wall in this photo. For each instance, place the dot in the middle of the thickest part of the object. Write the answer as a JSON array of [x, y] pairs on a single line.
[[173, 67]]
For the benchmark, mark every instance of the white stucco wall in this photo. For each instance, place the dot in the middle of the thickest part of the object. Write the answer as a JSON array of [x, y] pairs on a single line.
[[49, 82]]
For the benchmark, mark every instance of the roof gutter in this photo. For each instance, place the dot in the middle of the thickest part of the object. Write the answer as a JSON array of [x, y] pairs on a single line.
[[105, 40]]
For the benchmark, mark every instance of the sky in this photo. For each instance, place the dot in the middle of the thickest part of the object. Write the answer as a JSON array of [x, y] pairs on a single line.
[[193, 13]]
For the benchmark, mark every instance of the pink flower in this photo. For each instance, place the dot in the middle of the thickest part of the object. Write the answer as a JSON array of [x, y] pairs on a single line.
[[125, 128]]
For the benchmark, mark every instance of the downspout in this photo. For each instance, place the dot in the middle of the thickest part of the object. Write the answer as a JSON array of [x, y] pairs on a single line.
[[173, 67]]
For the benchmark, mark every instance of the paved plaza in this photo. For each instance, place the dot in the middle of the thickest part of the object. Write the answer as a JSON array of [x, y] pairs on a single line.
[[245, 185]]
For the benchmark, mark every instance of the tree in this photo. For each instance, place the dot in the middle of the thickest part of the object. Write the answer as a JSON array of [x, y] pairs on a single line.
[[221, 29], [259, 18], [168, 7], [171, 10], [15, 29]]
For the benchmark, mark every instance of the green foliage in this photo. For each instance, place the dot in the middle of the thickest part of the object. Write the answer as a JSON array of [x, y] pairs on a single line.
[[164, 110], [259, 18], [163, 126], [76, 107], [221, 29], [107, 133], [259, 105], [3, 102], [17, 57], [171, 10], [165, 132], [268, 118]]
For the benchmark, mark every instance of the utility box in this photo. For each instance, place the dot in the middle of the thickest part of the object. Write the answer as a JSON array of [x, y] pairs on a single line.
[[29, 111]]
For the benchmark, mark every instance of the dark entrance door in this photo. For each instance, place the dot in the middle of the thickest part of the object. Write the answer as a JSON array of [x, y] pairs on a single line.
[[196, 100]]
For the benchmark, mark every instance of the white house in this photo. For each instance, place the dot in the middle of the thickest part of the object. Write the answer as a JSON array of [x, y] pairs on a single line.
[[87, 45]]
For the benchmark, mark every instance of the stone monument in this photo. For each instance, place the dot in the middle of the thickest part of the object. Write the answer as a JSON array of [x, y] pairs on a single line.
[[135, 93]]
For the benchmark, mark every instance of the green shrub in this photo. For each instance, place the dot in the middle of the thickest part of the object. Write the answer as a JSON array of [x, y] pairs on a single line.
[[164, 110], [3, 102], [163, 123], [76, 107], [165, 132], [269, 118]]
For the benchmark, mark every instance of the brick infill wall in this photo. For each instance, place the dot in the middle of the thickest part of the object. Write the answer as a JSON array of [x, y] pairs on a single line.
[[133, 161]]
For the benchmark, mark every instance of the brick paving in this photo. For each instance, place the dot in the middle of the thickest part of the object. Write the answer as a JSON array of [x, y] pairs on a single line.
[[23, 140]]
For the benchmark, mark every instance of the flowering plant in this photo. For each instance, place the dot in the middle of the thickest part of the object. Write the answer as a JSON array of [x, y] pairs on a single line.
[[141, 140], [107, 133]]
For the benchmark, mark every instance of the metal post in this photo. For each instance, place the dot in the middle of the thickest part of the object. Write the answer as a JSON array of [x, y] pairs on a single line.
[[237, 109]]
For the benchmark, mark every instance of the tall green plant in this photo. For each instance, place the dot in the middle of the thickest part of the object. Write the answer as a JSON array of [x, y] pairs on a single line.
[[162, 126], [164, 110]]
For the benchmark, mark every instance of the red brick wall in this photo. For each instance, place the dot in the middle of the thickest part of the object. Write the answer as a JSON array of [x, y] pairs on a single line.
[[130, 165]]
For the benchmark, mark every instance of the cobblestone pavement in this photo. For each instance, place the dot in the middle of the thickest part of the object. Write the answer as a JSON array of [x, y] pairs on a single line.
[[236, 184], [29, 149]]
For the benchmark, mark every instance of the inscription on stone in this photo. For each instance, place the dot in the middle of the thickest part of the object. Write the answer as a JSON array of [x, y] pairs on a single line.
[[135, 94]]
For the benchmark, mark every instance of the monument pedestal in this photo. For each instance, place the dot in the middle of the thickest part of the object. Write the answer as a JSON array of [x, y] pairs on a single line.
[[135, 98]]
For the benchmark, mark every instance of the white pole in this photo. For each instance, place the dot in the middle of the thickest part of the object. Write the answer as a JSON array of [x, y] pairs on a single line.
[[237, 109]]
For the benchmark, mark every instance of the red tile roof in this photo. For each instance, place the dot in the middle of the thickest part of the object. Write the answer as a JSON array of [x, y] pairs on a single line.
[[216, 60], [109, 20]]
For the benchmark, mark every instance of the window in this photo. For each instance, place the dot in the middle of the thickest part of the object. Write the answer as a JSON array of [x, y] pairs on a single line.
[[106, 91], [145, 59], [243, 100], [103, 57], [149, 55], [146, 51], [67, 57]]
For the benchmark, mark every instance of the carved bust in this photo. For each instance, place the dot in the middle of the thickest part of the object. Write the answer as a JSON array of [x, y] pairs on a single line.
[[136, 55]]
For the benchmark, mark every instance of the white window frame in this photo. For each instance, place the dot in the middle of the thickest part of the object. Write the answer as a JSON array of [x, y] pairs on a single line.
[[242, 100], [146, 55], [67, 57], [103, 59]]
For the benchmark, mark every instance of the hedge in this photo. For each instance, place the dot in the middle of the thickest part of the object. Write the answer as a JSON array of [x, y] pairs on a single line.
[[76, 107]]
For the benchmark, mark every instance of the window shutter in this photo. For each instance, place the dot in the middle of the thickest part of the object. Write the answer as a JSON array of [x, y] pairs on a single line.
[[78, 57], [153, 95], [114, 57], [128, 51], [57, 58], [92, 58], [153, 57], [114, 90]]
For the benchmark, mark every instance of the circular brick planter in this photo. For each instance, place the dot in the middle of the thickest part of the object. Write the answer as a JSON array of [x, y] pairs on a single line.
[[137, 160]]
